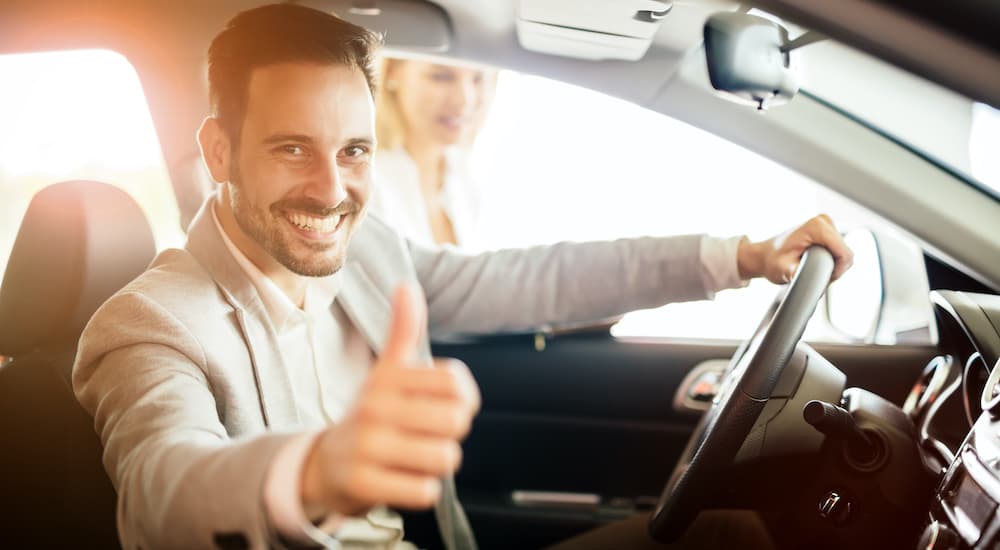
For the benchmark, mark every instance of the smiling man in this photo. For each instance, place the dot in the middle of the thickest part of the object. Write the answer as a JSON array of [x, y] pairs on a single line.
[[302, 172], [271, 382]]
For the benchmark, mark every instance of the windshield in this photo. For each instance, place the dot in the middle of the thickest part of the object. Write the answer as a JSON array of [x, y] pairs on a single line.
[[944, 126]]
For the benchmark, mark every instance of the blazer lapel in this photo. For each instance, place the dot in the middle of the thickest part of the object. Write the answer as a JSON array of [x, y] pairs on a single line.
[[271, 376], [376, 264], [365, 305]]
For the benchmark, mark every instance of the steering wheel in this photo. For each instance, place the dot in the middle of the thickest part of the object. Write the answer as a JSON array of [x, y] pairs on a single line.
[[746, 388]]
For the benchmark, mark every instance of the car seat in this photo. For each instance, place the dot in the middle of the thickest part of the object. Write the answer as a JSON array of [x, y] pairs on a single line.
[[79, 242]]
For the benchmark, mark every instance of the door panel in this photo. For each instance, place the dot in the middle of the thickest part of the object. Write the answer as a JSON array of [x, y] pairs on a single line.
[[593, 415]]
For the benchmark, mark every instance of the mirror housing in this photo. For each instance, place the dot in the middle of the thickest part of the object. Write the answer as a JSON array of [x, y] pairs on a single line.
[[854, 302], [886, 303], [748, 60]]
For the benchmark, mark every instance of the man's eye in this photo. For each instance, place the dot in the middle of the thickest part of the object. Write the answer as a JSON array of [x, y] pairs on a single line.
[[294, 150], [355, 151]]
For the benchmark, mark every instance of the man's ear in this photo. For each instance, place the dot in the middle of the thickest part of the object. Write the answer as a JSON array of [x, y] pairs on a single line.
[[216, 149]]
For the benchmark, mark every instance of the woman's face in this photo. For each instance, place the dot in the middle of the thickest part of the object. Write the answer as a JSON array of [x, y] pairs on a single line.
[[438, 103]]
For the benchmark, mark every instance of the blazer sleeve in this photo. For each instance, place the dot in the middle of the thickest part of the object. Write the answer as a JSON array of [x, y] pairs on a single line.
[[181, 481], [567, 283]]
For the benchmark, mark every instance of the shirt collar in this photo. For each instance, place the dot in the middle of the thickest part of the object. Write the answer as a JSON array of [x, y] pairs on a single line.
[[320, 292]]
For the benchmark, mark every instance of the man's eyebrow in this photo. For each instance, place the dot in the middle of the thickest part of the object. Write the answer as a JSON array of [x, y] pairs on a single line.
[[283, 138], [302, 138], [361, 141]]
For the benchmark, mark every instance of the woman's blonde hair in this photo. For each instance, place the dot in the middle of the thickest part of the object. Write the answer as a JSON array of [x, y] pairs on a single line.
[[389, 124]]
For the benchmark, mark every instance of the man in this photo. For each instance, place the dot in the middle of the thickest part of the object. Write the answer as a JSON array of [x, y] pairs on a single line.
[[269, 383]]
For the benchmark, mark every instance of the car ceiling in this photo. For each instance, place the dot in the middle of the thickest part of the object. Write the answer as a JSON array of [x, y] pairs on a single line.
[[165, 40]]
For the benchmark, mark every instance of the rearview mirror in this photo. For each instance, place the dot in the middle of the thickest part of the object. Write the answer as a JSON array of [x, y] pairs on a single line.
[[747, 59]]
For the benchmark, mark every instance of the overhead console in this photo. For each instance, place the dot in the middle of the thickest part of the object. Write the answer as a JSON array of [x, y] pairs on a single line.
[[590, 29]]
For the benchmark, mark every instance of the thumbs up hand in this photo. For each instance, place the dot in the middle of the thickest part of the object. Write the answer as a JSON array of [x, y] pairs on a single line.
[[403, 433]]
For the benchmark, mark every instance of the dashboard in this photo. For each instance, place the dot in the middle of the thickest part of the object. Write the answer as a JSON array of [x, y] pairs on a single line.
[[955, 406]]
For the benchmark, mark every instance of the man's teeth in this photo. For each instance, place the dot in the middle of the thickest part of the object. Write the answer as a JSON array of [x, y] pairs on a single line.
[[311, 223]]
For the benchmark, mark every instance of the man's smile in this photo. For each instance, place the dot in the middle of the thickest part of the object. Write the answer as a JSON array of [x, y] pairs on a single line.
[[314, 226]]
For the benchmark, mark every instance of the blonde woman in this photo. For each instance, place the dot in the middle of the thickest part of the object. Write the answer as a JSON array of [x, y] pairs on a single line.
[[428, 116]]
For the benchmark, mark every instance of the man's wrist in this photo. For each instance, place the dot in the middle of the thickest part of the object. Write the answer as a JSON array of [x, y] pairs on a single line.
[[750, 259], [282, 493]]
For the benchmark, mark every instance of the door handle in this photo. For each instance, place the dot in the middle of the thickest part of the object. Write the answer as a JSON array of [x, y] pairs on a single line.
[[700, 386], [555, 499]]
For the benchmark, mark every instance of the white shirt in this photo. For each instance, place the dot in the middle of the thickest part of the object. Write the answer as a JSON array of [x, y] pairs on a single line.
[[326, 355], [397, 197]]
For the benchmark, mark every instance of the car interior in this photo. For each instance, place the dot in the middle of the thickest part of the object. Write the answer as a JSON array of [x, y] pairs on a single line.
[[880, 440]]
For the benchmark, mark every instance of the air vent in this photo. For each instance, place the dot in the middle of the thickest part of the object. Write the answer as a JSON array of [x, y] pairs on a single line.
[[928, 386]]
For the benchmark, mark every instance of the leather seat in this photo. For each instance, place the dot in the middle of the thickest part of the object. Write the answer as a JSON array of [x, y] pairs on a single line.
[[79, 242]]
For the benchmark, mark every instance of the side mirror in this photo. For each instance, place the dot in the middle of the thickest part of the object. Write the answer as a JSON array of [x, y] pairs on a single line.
[[854, 302], [883, 299], [749, 60]]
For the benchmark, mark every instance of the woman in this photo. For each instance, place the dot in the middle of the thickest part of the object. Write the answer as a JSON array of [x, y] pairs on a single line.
[[427, 118]]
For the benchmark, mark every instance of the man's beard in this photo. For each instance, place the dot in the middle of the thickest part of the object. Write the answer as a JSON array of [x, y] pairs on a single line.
[[262, 227]]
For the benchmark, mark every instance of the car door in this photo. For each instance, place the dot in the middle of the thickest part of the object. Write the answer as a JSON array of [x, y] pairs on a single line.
[[583, 427]]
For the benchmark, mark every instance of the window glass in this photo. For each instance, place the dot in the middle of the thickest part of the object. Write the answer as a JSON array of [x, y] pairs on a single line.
[[78, 115], [983, 145], [557, 162], [944, 125]]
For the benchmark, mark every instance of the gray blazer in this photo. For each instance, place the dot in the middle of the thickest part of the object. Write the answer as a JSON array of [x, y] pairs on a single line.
[[181, 370]]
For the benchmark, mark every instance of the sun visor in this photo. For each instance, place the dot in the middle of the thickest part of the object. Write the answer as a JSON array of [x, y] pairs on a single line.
[[590, 29]]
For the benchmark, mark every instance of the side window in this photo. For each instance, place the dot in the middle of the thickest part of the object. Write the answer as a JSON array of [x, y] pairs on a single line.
[[557, 162], [983, 139], [78, 115]]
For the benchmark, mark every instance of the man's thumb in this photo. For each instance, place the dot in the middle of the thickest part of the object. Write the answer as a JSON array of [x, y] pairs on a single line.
[[409, 318]]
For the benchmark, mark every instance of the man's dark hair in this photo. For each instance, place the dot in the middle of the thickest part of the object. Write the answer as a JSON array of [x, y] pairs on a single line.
[[279, 33]]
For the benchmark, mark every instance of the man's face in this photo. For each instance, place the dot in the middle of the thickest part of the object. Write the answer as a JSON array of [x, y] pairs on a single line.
[[301, 173]]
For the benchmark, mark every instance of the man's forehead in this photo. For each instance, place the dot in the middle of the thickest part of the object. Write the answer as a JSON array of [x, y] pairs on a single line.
[[311, 95]]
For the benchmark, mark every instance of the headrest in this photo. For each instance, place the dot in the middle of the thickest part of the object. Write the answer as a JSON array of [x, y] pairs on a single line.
[[79, 242]]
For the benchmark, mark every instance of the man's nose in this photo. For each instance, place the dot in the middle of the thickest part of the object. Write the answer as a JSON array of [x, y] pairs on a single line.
[[329, 187]]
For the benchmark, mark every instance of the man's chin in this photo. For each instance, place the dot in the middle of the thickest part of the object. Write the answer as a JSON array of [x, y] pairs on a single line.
[[310, 263], [313, 268]]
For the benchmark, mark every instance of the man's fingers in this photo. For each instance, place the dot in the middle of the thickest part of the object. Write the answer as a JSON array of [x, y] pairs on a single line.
[[372, 485], [834, 242], [463, 380], [409, 319], [438, 401], [788, 272], [820, 230], [449, 378], [421, 415], [418, 454]]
